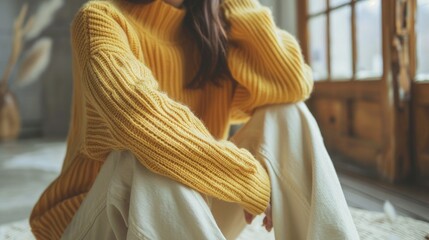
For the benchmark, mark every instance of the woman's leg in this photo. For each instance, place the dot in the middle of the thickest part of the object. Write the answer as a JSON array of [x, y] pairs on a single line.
[[127, 201], [307, 199]]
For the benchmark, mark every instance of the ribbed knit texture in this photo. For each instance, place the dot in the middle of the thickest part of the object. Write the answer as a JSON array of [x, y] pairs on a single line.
[[130, 64]]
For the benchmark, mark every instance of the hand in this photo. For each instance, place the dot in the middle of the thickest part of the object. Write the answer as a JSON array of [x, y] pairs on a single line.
[[268, 219]]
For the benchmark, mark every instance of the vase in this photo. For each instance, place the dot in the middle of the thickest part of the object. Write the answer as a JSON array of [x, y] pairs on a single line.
[[10, 120]]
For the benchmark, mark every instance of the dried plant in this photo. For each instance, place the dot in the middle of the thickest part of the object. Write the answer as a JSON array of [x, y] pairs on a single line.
[[43, 17], [26, 30], [19, 29], [35, 62]]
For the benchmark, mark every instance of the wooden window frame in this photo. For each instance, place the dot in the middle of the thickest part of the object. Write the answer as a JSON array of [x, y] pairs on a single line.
[[303, 19], [419, 109]]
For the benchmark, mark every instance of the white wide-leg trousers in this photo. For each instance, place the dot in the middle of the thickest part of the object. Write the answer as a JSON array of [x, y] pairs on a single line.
[[127, 201]]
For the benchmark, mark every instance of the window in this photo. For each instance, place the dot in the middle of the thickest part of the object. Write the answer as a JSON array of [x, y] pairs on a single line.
[[319, 59], [316, 6], [335, 3], [368, 39], [422, 26], [340, 44], [372, 60], [345, 39]]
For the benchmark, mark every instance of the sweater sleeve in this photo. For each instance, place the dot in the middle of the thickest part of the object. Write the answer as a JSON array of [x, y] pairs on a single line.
[[266, 61], [165, 136]]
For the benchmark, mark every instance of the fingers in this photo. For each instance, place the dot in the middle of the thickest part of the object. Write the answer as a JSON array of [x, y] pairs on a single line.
[[268, 211], [248, 217], [268, 224], [268, 220]]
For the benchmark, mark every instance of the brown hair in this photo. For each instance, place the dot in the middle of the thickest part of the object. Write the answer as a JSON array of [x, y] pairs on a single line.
[[207, 24]]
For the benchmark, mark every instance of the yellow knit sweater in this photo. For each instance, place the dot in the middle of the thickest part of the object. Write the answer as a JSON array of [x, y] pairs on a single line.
[[130, 63]]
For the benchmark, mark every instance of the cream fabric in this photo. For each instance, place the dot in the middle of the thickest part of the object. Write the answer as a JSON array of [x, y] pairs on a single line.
[[307, 199], [127, 201]]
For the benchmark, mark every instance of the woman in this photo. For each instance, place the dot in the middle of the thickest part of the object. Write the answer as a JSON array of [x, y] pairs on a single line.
[[156, 85]]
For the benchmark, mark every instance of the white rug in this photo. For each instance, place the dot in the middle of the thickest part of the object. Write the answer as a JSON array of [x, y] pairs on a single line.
[[370, 225]]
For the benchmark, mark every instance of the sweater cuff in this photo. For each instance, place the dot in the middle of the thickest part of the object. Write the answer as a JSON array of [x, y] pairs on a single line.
[[234, 5], [258, 197]]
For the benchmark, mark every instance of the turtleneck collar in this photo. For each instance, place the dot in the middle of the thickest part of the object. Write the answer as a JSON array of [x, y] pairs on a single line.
[[160, 18]]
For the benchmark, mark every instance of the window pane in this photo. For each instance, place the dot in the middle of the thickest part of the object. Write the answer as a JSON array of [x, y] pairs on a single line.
[[315, 6], [318, 51], [369, 39], [422, 30], [334, 3], [341, 44]]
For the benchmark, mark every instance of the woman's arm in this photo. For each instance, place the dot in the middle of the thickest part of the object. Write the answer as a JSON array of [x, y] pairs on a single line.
[[164, 135], [266, 62]]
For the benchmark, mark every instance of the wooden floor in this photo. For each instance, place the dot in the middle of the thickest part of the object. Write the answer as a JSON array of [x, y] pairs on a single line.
[[365, 193]]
